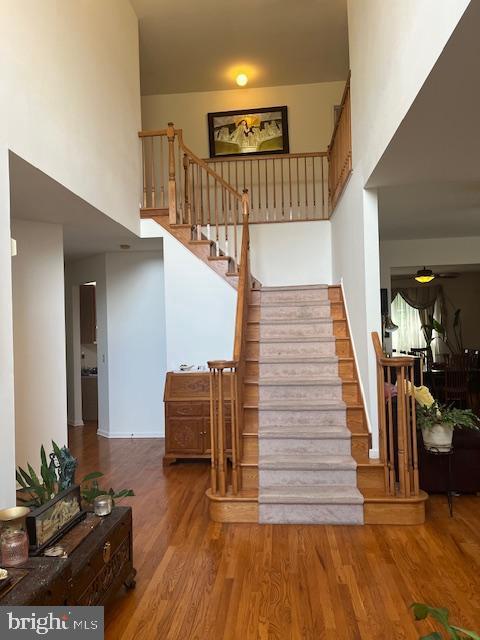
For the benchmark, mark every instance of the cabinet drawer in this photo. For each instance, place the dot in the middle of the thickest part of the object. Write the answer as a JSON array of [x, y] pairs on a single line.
[[184, 409]]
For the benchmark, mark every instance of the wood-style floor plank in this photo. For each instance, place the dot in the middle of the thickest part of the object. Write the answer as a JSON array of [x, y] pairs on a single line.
[[201, 580]]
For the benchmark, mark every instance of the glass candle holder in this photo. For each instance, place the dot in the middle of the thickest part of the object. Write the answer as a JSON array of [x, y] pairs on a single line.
[[14, 548], [102, 505]]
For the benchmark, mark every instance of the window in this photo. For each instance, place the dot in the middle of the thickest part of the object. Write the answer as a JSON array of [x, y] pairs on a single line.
[[409, 333]]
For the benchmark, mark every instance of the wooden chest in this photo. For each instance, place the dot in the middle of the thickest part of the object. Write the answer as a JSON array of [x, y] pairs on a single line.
[[187, 415], [94, 571]]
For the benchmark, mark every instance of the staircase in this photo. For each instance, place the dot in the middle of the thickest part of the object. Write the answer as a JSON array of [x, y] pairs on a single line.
[[306, 470]]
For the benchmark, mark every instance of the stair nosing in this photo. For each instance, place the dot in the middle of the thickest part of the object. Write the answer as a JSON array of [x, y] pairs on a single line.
[[295, 339], [298, 287], [293, 381]]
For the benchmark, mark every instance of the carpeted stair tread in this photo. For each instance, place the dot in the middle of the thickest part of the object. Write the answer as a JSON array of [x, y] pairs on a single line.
[[320, 494], [306, 432], [301, 405], [308, 462]]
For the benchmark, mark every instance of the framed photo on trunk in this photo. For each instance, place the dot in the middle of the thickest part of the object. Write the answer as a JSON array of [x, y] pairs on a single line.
[[248, 131]]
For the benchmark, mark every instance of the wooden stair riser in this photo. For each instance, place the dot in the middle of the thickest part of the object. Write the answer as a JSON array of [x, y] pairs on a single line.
[[351, 392], [252, 350], [233, 510], [370, 476], [346, 369], [249, 476], [337, 311], [395, 512], [252, 370], [250, 420], [343, 348], [335, 293], [250, 393], [360, 446], [250, 448], [356, 420]]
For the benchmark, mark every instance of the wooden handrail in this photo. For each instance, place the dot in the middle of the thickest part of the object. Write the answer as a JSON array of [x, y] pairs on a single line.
[[236, 369], [268, 156], [397, 425], [340, 150]]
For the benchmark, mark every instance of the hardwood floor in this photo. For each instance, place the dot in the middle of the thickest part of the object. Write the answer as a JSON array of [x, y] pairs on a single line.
[[206, 581]]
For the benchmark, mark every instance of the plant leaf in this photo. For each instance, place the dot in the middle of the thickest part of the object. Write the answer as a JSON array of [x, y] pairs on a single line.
[[432, 636], [92, 476], [28, 479], [469, 634], [20, 480]]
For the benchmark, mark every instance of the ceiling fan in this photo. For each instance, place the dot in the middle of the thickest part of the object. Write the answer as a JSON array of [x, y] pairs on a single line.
[[427, 275]]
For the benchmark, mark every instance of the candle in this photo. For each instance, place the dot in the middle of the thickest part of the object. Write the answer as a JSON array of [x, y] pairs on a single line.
[[102, 505]]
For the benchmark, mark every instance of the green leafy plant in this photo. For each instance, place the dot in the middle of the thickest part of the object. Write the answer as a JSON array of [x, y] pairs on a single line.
[[90, 489], [423, 611], [58, 473], [428, 417]]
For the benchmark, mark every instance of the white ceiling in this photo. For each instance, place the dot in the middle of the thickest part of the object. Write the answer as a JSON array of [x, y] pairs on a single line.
[[86, 231], [200, 45], [430, 172]]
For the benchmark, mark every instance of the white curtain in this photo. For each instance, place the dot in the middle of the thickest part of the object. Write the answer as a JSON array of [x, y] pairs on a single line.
[[409, 334]]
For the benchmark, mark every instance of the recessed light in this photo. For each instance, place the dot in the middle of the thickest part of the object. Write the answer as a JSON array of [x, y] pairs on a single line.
[[241, 79], [124, 247]]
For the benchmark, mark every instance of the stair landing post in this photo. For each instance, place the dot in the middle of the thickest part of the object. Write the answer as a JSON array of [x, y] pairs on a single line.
[[172, 191]]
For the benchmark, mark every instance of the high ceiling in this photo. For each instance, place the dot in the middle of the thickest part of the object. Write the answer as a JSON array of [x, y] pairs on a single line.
[[200, 45]]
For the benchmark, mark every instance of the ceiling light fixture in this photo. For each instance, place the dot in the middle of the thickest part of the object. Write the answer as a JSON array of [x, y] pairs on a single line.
[[424, 275], [241, 79]]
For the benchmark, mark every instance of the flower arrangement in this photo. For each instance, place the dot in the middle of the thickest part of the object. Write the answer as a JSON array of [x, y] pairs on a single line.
[[437, 421]]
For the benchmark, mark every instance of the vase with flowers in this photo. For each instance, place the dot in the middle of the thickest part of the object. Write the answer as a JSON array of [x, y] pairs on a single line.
[[437, 421]]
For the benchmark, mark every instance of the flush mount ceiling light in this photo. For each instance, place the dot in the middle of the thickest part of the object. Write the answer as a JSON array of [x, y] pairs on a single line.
[[424, 275], [241, 79]]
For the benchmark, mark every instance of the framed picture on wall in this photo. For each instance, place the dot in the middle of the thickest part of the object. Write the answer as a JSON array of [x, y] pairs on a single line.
[[248, 131]]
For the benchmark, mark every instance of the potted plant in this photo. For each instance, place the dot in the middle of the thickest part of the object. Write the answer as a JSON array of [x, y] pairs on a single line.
[[437, 421]]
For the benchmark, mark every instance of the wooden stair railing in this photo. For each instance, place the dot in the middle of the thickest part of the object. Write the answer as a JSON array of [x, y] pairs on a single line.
[[397, 424], [231, 372], [282, 187], [340, 151]]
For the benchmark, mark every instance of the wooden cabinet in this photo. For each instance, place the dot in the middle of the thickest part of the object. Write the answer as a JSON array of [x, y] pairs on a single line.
[[187, 416], [90, 398], [88, 314]]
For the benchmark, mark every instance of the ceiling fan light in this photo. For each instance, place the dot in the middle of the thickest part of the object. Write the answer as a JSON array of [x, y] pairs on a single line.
[[424, 276]]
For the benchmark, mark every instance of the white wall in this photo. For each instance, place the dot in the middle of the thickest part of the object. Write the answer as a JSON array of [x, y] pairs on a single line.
[[39, 339], [136, 344], [405, 38], [7, 405], [310, 112], [199, 305], [70, 97]]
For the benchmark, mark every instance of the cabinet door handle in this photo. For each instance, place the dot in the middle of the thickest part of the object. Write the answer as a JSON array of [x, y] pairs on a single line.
[[107, 549]]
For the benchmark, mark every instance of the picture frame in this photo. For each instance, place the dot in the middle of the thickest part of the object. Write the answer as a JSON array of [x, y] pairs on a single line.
[[262, 131], [46, 524]]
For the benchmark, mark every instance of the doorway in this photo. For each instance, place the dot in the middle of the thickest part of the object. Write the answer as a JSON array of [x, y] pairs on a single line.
[[89, 356]]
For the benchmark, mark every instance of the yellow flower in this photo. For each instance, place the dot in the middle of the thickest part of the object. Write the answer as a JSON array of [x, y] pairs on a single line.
[[423, 396]]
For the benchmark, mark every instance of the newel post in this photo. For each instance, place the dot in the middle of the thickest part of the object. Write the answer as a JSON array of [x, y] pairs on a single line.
[[172, 191]]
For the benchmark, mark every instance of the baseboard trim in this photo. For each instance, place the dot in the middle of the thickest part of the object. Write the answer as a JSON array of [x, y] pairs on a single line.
[[374, 454], [130, 436], [74, 423]]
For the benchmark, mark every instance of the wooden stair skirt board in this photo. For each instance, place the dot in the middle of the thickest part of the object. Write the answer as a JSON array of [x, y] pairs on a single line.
[[381, 509]]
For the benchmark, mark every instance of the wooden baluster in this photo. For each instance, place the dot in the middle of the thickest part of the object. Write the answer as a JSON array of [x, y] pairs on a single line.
[[234, 429], [225, 219], [382, 422], [180, 193], [160, 171], [172, 188], [324, 208], [283, 189], [213, 431], [244, 179], [298, 186], [152, 171], [198, 218], [251, 181], [306, 187], [202, 215], [416, 480], [193, 199], [290, 186], [391, 436], [259, 192], [221, 435], [266, 190], [144, 175], [274, 190], [401, 434], [408, 381], [217, 237], [313, 181], [187, 207], [209, 207]]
